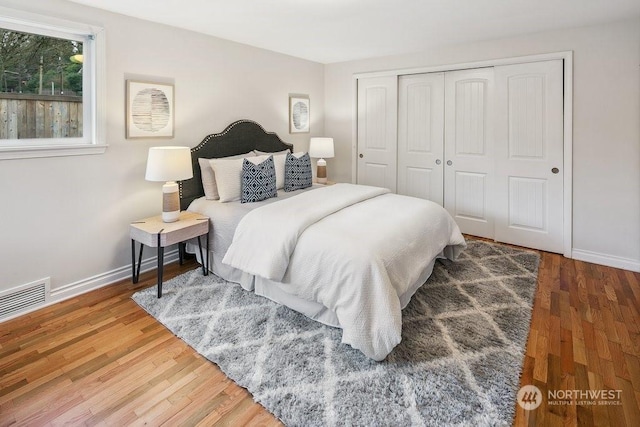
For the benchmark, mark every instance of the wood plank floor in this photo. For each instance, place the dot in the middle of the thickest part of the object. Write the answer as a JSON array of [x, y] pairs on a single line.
[[99, 359]]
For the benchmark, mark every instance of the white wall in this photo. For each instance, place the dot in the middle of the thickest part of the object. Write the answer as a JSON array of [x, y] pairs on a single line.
[[606, 121], [68, 217]]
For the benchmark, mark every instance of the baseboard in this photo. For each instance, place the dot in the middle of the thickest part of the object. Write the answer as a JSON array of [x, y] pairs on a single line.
[[100, 280], [95, 282], [608, 260]]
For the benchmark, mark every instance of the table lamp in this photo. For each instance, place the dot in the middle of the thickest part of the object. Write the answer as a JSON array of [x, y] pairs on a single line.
[[321, 148], [169, 164]]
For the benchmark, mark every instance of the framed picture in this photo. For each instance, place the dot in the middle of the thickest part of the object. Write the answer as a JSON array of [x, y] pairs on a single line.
[[299, 114], [150, 110]]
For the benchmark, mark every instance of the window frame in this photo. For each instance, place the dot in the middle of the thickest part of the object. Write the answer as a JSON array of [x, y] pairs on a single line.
[[93, 87]]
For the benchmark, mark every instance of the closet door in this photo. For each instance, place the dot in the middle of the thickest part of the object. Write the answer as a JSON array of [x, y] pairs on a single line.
[[377, 131], [468, 171], [421, 136], [529, 155]]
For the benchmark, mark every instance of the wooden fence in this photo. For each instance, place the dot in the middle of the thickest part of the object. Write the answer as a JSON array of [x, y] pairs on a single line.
[[40, 116]]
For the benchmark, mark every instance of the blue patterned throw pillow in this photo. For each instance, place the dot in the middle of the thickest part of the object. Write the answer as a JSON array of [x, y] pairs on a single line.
[[258, 181], [297, 172]]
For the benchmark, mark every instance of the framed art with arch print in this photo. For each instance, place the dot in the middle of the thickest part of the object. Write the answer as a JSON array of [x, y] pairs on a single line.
[[150, 110]]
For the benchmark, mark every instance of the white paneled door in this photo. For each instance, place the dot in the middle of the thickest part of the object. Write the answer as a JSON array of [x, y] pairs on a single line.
[[529, 155], [377, 131], [421, 136], [469, 161], [486, 143]]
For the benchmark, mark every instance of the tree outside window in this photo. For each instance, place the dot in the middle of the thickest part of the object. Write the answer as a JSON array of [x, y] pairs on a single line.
[[37, 64], [52, 86]]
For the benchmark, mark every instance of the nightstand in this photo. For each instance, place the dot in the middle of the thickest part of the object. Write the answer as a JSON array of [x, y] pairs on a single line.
[[325, 183], [155, 233]]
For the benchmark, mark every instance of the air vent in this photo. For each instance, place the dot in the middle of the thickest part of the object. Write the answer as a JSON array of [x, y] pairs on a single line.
[[23, 298]]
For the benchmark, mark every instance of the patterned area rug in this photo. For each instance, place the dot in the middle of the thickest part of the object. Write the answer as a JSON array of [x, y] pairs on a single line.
[[464, 334]]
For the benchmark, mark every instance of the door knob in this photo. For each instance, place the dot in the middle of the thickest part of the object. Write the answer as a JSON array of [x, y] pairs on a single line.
[[438, 161], [449, 162], [361, 155], [555, 170]]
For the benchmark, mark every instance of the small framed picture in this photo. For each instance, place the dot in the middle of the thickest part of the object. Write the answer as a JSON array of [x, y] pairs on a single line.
[[299, 114], [150, 110]]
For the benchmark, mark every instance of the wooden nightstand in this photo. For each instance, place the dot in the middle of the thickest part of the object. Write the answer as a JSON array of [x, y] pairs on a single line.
[[157, 234]]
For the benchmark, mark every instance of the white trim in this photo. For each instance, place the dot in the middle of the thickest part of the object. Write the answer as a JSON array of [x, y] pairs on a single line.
[[15, 19], [95, 282], [94, 87], [566, 56], [99, 68], [605, 259], [104, 279], [467, 65], [9, 153], [354, 134]]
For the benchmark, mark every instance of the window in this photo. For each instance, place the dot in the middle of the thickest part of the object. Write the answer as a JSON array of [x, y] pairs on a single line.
[[50, 84]]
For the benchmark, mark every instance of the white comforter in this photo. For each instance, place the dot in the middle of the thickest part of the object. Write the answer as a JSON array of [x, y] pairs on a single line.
[[355, 249]]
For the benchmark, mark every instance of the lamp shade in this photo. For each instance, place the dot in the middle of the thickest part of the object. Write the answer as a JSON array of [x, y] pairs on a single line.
[[169, 164], [321, 148]]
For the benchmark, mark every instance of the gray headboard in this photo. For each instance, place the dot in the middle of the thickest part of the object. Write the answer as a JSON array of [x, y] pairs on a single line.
[[238, 138]]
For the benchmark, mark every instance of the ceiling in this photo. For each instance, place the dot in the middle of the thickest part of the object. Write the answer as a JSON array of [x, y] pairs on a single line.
[[330, 31]]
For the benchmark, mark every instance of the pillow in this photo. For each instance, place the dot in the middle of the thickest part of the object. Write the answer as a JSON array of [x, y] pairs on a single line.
[[209, 177], [258, 181], [264, 153], [278, 162], [229, 176], [297, 173]]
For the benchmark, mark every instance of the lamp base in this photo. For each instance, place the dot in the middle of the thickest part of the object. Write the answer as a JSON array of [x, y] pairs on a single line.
[[170, 202], [321, 174]]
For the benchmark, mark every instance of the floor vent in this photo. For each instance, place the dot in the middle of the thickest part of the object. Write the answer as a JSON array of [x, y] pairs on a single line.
[[23, 298]]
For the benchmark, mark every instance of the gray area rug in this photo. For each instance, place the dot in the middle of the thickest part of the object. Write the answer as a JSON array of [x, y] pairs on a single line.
[[459, 362]]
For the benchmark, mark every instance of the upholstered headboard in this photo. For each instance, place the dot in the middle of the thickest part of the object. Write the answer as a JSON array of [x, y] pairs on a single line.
[[238, 138]]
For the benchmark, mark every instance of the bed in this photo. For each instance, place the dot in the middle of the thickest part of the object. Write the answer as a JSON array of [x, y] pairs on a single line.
[[349, 256]]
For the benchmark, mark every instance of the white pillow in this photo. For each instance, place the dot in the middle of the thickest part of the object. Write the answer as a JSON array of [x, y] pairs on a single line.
[[278, 162], [209, 177], [264, 153], [229, 176], [279, 159]]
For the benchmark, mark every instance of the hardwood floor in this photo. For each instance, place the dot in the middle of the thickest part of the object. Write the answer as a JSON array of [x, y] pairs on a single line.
[[585, 335], [99, 359]]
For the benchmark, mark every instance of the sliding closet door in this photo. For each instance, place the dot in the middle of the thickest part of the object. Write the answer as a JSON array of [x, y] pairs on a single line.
[[377, 131], [529, 155], [468, 171], [421, 136]]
